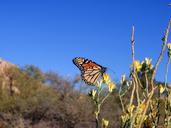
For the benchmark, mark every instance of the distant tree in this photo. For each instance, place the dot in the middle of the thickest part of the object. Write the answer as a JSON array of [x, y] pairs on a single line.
[[58, 83], [33, 72], [52, 78]]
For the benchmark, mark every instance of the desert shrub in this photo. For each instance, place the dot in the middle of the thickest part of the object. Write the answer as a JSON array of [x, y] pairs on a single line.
[[57, 104]]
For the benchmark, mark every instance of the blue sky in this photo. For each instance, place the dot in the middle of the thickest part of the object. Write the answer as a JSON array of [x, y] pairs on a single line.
[[49, 34]]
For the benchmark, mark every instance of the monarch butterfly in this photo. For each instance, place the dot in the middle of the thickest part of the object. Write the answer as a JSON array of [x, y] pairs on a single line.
[[90, 71]]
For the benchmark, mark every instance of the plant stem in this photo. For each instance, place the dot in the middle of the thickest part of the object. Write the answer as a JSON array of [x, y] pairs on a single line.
[[133, 43], [167, 98], [158, 109], [146, 108], [104, 99], [98, 107], [132, 94], [137, 89], [155, 70], [120, 97], [167, 70], [161, 53], [146, 81], [97, 122]]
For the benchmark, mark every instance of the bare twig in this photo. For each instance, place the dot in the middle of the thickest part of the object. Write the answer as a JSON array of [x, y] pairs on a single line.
[[155, 70], [133, 43], [165, 38], [133, 59]]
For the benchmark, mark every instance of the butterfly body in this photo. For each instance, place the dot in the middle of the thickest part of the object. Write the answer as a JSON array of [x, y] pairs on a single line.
[[90, 71]]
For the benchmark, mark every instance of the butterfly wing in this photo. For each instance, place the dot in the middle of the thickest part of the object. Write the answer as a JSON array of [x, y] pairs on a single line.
[[91, 77], [78, 61], [90, 71]]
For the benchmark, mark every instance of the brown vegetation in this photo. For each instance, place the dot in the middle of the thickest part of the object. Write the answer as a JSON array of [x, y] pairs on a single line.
[[48, 101]]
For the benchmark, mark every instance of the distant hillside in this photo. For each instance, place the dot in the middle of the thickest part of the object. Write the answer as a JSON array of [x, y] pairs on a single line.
[[46, 100]]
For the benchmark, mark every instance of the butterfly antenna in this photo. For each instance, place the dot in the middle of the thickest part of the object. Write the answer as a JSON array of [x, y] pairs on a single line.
[[112, 71], [115, 78]]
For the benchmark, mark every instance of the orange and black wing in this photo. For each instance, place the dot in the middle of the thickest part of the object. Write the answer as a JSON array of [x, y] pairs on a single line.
[[90, 71]]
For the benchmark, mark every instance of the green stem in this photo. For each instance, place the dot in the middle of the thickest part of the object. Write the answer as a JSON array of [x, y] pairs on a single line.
[[120, 97], [99, 103], [98, 107], [146, 80], [104, 99], [132, 94], [137, 89]]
